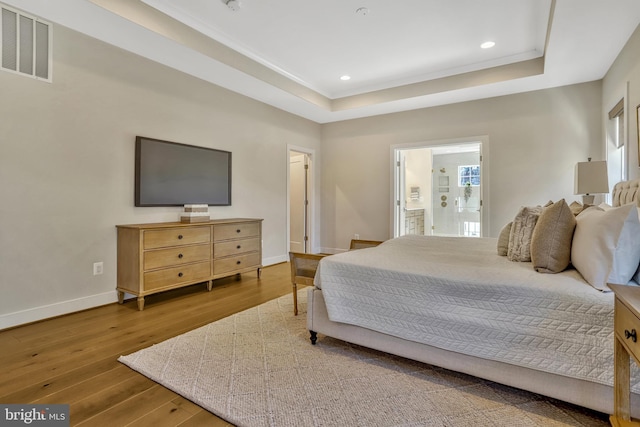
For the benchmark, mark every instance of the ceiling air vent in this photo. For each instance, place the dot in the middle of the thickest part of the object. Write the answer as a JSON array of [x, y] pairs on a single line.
[[25, 44]]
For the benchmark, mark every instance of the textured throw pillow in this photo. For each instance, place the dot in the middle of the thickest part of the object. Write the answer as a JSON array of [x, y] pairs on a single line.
[[606, 248], [520, 234], [551, 239], [576, 208], [503, 239]]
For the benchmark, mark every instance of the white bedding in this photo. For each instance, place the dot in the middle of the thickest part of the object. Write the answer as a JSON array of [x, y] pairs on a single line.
[[457, 294]]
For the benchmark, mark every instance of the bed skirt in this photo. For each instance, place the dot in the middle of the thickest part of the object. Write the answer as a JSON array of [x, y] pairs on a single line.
[[588, 394]]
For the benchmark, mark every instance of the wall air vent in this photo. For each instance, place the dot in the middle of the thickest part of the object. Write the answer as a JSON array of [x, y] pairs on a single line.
[[25, 44]]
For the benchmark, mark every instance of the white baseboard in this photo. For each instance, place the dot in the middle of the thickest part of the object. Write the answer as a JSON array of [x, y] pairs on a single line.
[[46, 311], [275, 260], [333, 251], [65, 307]]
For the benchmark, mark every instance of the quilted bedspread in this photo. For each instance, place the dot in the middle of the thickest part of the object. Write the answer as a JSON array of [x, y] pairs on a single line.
[[457, 294]]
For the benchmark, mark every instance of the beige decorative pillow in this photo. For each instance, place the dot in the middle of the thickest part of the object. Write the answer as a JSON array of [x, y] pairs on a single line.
[[576, 208], [551, 239], [521, 231], [503, 240]]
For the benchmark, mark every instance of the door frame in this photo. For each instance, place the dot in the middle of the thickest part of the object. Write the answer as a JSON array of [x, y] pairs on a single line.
[[311, 207], [395, 204]]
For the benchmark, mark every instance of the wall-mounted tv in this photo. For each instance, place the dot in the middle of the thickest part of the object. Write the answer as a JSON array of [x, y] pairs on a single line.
[[172, 174]]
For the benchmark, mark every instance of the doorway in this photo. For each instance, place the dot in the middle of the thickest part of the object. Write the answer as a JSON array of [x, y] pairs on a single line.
[[438, 189], [299, 201]]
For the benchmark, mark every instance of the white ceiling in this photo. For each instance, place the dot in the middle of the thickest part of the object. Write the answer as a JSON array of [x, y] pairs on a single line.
[[394, 43], [400, 55]]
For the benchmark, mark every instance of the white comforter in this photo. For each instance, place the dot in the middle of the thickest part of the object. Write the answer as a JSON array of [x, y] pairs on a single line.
[[457, 294]]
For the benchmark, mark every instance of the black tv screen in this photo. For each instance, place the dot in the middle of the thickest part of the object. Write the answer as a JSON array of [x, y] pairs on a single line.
[[172, 174]]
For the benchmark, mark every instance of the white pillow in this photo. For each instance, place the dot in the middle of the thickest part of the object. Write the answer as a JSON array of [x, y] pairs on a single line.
[[606, 248], [636, 275]]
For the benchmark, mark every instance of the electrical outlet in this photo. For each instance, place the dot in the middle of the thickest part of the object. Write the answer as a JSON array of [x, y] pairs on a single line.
[[356, 236], [98, 268]]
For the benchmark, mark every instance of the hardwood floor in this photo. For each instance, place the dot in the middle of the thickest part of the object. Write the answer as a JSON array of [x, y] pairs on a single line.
[[73, 359]]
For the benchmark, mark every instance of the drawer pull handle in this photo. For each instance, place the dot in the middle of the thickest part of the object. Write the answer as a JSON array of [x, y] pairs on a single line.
[[238, 262], [631, 335], [180, 274], [238, 230], [179, 236], [180, 255], [238, 247]]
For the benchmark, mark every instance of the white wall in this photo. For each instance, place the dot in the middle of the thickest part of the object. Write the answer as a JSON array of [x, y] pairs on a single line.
[[418, 174], [535, 140], [67, 167]]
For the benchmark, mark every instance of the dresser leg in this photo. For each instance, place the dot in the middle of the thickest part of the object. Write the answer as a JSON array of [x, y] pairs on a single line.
[[210, 285], [259, 272], [120, 297], [140, 303], [621, 382]]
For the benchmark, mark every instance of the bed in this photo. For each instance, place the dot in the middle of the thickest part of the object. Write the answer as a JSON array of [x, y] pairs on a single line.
[[455, 303]]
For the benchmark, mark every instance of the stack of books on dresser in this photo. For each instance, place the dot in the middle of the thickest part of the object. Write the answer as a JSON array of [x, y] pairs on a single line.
[[195, 213]]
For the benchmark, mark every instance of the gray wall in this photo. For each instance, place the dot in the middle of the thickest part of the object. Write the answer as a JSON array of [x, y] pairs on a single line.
[[623, 81], [67, 167], [535, 139], [66, 161]]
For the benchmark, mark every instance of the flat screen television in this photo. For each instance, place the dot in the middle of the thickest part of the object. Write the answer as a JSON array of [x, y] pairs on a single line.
[[172, 174]]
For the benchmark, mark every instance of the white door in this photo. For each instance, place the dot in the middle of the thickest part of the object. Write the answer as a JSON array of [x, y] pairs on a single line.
[[298, 202], [400, 194]]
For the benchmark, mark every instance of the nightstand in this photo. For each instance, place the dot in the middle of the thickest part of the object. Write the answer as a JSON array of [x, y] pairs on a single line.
[[627, 330]]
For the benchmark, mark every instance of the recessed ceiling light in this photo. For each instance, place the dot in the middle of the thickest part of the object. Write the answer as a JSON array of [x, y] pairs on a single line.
[[232, 4], [487, 45], [345, 78]]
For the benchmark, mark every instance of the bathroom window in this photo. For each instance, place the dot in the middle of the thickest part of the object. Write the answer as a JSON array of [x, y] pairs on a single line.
[[616, 149], [469, 174]]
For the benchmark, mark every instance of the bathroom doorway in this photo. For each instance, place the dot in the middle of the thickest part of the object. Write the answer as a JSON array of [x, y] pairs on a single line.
[[438, 189]]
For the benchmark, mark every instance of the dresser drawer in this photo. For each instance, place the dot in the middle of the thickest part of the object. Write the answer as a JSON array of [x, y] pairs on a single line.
[[240, 262], [159, 258], [177, 275], [625, 320], [235, 247], [176, 236], [235, 231]]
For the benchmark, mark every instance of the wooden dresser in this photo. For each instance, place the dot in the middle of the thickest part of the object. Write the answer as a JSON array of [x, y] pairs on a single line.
[[626, 346], [161, 256]]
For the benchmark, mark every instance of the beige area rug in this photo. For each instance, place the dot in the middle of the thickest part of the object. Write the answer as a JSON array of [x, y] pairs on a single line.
[[258, 368]]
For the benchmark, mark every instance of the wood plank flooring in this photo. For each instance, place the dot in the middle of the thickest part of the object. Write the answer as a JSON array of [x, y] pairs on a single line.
[[73, 359]]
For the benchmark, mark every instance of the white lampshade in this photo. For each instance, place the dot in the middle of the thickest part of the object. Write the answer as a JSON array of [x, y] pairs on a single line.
[[591, 178]]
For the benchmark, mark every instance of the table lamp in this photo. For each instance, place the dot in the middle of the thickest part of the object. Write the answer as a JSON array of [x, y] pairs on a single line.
[[591, 178]]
